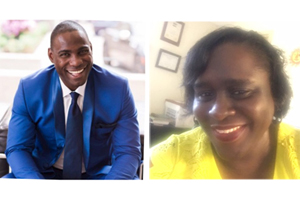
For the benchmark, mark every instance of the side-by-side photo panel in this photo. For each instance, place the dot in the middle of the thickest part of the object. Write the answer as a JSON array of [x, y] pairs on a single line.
[[223, 100], [72, 102]]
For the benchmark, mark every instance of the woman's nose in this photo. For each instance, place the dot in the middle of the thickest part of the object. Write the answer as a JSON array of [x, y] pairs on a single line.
[[221, 108]]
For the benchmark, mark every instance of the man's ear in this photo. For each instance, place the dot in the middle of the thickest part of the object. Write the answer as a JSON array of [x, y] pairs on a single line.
[[50, 55], [91, 47]]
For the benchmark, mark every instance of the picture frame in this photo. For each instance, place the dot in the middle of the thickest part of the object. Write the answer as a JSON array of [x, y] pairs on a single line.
[[172, 32], [168, 60]]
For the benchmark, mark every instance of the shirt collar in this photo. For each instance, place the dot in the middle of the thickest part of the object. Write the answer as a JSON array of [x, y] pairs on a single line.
[[66, 91]]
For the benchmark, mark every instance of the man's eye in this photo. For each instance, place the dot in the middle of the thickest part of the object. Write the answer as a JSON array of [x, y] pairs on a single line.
[[64, 54], [85, 51]]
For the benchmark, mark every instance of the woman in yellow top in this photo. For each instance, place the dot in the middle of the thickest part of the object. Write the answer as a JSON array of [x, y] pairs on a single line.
[[236, 86]]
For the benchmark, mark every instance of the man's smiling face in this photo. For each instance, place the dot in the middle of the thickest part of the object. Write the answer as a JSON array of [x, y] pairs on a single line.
[[71, 54]]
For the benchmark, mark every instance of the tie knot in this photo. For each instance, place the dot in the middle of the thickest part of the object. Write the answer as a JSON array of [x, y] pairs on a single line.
[[74, 96]]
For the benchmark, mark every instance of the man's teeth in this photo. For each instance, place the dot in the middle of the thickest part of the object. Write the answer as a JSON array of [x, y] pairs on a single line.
[[228, 130], [76, 72]]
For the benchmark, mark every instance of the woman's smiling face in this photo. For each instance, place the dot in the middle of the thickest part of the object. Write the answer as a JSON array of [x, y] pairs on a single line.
[[233, 101]]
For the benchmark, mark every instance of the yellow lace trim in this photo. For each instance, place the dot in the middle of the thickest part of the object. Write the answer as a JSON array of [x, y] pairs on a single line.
[[289, 139], [189, 155]]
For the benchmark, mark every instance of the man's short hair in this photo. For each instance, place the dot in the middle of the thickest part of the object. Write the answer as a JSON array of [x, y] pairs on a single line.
[[66, 26]]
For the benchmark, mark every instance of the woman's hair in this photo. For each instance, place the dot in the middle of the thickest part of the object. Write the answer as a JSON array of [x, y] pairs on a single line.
[[199, 55]]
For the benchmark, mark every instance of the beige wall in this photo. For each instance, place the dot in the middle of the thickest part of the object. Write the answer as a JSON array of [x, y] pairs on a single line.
[[165, 84]]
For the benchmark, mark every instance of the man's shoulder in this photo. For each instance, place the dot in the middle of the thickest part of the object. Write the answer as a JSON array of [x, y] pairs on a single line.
[[103, 75], [41, 75]]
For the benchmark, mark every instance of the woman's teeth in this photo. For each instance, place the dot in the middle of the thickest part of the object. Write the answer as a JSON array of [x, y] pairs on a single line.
[[228, 130]]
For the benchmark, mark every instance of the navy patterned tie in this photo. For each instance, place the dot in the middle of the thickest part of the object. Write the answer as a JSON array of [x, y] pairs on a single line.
[[74, 142]]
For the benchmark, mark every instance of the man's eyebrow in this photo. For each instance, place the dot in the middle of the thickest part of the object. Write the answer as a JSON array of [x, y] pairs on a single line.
[[83, 47], [64, 51], [67, 51]]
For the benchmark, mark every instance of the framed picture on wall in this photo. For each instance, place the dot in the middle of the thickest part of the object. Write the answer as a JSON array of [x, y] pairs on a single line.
[[168, 60], [295, 57], [172, 32]]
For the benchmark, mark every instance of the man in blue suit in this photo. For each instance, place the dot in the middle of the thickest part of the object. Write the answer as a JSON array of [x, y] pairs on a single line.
[[37, 129]]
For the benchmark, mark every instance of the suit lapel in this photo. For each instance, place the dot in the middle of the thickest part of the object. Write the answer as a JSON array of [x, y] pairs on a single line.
[[87, 113], [58, 111]]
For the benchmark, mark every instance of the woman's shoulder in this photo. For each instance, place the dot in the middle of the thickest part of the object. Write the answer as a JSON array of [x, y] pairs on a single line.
[[171, 157], [185, 139], [288, 151], [287, 133], [179, 146]]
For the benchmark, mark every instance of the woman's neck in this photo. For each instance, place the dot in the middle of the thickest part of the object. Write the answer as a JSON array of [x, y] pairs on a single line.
[[257, 164]]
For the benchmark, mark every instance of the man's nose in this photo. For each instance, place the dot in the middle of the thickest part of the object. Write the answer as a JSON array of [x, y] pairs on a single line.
[[75, 60], [222, 108]]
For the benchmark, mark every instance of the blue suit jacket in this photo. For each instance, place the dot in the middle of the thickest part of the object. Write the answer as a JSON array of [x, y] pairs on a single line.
[[36, 135]]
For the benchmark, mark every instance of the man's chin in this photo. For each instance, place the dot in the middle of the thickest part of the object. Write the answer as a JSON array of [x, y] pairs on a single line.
[[74, 84]]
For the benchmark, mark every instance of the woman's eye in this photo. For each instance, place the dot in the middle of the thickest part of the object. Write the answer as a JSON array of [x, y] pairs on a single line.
[[240, 93], [204, 96]]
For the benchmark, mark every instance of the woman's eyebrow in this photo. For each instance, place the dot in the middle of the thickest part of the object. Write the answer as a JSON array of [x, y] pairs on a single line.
[[239, 82], [201, 84]]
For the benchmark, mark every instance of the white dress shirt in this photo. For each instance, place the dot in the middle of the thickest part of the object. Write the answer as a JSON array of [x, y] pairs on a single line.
[[67, 102]]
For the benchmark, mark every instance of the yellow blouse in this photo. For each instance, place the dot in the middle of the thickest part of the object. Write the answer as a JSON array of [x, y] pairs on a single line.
[[189, 156]]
